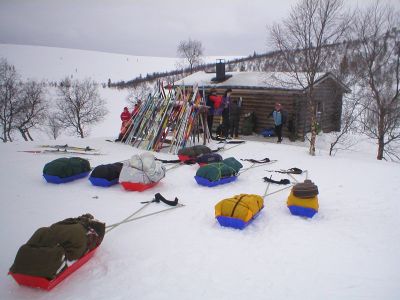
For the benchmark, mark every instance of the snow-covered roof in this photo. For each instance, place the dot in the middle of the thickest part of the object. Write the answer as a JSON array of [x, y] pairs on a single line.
[[254, 80]]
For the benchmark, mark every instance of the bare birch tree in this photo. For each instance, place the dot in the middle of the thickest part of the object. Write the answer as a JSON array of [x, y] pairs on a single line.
[[301, 37], [32, 107], [377, 30], [80, 105], [191, 51], [53, 127], [9, 90], [139, 92]]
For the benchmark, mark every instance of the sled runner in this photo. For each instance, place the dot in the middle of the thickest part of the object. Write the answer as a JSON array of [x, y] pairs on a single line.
[[106, 175], [218, 173], [238, 211], [46, 284], [205, 182], [141, 172], [137, 186], [55, 252], [303, 199]]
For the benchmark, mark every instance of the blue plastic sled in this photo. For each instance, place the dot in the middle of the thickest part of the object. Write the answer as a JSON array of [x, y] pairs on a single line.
[[205, 182], [302, 211], [235, 223], [58, 180], [102, 181]]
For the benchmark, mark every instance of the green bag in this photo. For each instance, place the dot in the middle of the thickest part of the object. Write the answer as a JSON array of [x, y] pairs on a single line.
[[215, 171], [66, 167]]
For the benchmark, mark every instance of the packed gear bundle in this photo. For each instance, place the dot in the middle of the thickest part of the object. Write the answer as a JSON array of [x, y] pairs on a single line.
[[238, 211], [190, 153], [64, 169], [208, 158], [106, 175], [141, 172], [303, 200], [55, 252], [218, 173]]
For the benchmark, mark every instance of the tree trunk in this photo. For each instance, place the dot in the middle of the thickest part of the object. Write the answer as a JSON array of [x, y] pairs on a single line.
[[9, 135], [23, 134], [313, 135], [381, 134], [29, 135], [4, 138], [313, 121], [80, 131]]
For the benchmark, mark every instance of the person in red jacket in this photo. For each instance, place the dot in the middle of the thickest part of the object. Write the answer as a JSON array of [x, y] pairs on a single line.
[[126, 117]]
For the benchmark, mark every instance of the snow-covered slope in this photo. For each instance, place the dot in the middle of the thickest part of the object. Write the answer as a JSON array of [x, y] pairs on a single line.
[[51, 63]]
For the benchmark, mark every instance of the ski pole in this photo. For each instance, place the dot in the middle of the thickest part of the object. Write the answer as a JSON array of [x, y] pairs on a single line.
[[147, 215], [266, 190], [112, 226], [277, 191]]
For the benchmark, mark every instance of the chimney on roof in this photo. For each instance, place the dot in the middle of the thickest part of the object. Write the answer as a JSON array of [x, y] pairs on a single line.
[[220, 69]]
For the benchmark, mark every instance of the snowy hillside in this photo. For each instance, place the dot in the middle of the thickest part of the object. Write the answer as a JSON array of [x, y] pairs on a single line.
[[49, 63], [349, 250]]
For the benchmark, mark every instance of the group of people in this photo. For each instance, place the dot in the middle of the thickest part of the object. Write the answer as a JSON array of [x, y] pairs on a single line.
[[229, 110]]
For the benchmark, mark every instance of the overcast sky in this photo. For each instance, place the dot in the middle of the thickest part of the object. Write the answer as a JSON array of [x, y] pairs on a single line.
[[144, 27]]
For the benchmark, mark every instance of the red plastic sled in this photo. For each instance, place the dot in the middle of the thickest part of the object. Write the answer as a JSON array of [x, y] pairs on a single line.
[[46, 284], [136, 186]]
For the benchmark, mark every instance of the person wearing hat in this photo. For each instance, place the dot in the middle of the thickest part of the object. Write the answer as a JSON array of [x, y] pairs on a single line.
[[279, 116]]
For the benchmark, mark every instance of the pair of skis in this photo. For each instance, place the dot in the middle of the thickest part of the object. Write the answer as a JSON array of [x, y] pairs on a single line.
[[64, 149]]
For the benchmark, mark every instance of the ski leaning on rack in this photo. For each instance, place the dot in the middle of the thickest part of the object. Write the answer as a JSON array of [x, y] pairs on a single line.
[[172, 117]]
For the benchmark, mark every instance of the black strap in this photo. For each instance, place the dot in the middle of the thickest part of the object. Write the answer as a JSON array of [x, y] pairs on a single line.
[[234, 208], [158, 197], [261, 161], [282, 181], [230, 142], [173, 161], [216, 150], [291, 171]]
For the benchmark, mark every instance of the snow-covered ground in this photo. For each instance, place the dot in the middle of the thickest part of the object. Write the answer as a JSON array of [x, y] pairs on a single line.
[[349, 250]]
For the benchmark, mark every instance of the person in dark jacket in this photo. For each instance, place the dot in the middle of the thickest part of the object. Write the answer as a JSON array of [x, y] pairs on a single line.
[[226, 101], [234, 117], [279, 116]]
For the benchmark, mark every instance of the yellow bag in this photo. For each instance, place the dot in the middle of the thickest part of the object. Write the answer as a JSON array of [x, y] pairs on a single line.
[[243, 207], [303, 202]]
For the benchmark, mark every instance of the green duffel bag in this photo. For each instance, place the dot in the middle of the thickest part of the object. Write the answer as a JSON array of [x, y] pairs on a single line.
[[66, 167], [215, 171]]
